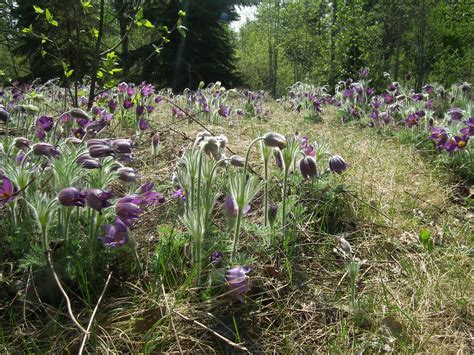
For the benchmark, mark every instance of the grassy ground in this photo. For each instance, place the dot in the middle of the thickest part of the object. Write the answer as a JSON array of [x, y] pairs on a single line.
[[407, 297]]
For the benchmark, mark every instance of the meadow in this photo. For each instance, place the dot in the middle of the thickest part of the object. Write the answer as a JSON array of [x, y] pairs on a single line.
[[221, 220]]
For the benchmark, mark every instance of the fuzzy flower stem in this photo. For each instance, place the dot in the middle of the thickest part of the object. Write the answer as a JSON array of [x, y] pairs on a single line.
[[265, 193], [283, 207], [247, 155], [241, 195]]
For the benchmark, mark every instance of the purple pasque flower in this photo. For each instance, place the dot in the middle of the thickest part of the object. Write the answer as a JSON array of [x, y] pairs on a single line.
[[116, 234], [71, 197], [128, 212], [278, 158], [158, 99], [112, 105], [238, 281], [147, 90], [337, 164], [308, 167], [348, 93], [385, 117], [139, 110], [20, 157], [428, 88], [45, 122], [82, 121], [376, 103], [176, 112], [412, 120], [78, 132], [224, 110], [469, 129], [429, 104], [374, 115], [456, 143], [455, 114], [122, 145], [100, 151], [145, 195], [130, 90], [122, 87], [439, 136], [393, 86], [150, 108], [21, 142], [364, 72], [231, 208], [4, 115], [7, 190], [127, 104], [98, 199], [143, 124], [45, 149], [96, 125], [124, 157], [240, 112], [370, 91], [216, 257], [126, 174], [180, 194], [417, 97], [355, 112], [40, 133], [87, 162], [272, 213], [387, 98]]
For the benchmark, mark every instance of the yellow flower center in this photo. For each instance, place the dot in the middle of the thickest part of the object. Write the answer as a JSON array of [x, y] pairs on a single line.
[[462, 144]]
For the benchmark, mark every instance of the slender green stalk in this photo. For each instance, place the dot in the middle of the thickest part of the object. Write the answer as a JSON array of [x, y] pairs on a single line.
[[241, 193], [133, 246], [283, 207], [265, 193], [237, 231], [67, 213]]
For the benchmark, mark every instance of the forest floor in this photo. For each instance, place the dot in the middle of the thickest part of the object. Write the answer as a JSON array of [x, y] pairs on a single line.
[[408, 298]]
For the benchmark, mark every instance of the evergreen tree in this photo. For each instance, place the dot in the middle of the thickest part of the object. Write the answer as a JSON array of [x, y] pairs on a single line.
[[206, 53]]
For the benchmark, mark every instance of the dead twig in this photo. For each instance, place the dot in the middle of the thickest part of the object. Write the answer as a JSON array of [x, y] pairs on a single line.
[[230, 342], [68, 301], [86, 335]]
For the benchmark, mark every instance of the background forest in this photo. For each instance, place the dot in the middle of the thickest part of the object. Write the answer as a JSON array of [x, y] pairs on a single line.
[[315, 41]]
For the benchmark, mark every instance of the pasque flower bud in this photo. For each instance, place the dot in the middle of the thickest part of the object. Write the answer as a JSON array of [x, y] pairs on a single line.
[[275, 140], [308, 167]]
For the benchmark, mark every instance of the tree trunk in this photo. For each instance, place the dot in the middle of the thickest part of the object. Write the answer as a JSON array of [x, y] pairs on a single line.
[[96, 59]]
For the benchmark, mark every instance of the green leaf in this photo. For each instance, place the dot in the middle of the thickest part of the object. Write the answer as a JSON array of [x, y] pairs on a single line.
[[28, 29], [86, 4], [95, 32], [182, 30], [425, 238], [68, 73], [100, 74], [181, 13], [49, 18], [147, 24], [38, 9]]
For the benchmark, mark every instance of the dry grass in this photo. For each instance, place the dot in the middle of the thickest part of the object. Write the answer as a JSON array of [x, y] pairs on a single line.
[[410, 299]]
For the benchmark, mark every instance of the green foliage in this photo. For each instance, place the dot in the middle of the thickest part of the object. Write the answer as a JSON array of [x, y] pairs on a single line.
[[318, 41]]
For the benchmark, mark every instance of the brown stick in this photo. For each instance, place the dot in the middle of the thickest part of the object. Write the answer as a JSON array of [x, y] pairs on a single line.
[[68, 301], [230, 342], [86, 336]]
